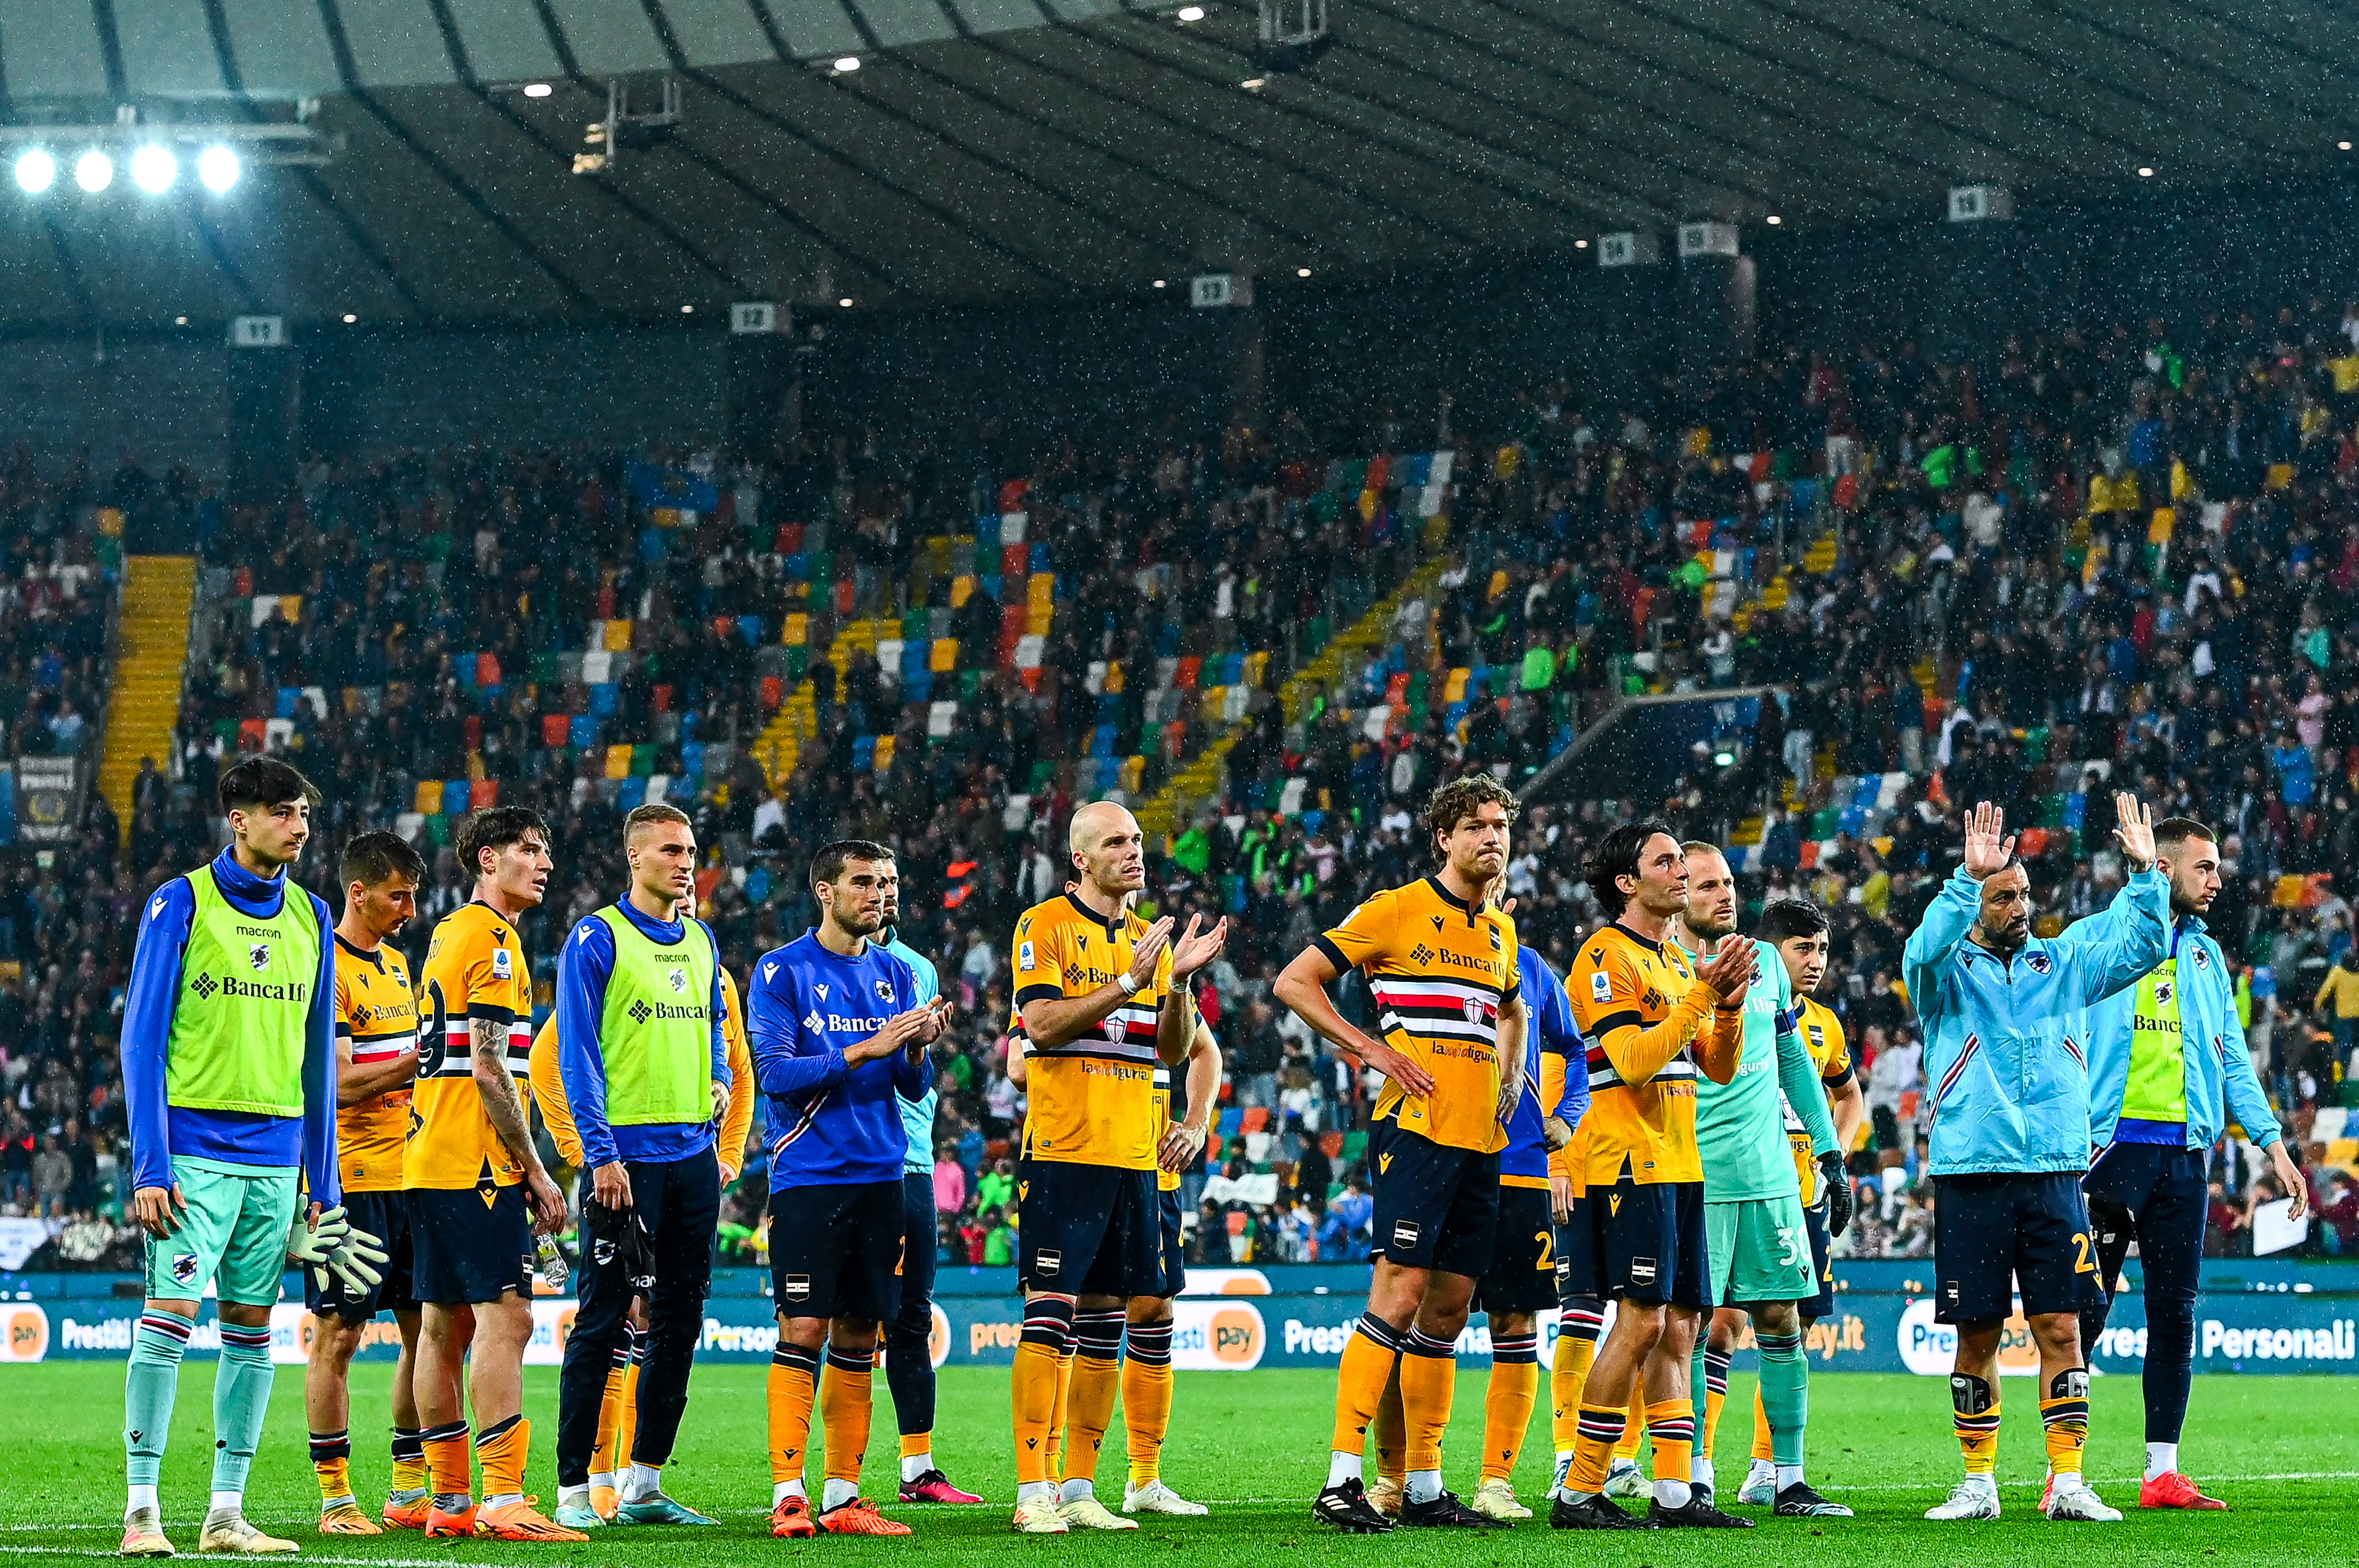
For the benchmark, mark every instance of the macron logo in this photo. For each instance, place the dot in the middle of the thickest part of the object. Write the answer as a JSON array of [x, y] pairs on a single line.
[[822, 992], [769, 972], [156, 909], [583, 934]]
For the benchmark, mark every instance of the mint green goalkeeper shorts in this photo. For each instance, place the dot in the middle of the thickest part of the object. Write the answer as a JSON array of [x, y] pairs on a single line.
[[1760, 1251], [232, 1234]]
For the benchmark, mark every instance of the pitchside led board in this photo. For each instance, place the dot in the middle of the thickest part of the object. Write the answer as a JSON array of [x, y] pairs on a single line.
[[1234, 1319]]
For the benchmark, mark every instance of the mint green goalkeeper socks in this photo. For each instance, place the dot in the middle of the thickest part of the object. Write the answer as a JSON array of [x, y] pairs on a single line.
[[149, 1386], [1785, 1393], [241, 1396]]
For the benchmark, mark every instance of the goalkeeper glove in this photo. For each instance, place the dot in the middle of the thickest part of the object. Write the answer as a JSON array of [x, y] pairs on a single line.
[[335, 1249], [1839, 1201]]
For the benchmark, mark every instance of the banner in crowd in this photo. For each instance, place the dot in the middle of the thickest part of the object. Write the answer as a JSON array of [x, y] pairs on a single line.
[[48, 798], [1232, 1330]]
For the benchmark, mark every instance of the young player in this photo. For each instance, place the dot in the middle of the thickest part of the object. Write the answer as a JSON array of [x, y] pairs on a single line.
[[475, 1189], [1441, 965], [1758, 1240], [1797, 928], [1653, 1021], [909, 1337], [2001, 1010], [2167, 1066], [376, 1062], [1101, 996], [229, 1077], [1184, 1098], [838, 1032], [641, 1052]]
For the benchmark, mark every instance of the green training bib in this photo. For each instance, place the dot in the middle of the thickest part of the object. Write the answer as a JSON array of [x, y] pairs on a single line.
[[246, 996], [2156, 1090], [657, 1033]]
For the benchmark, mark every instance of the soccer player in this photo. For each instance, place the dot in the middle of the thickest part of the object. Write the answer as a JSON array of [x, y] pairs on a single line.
[[475, 1189], [1797, 928], [2166, 1058], [1653, 1021], [376, 1062], [229, 1071], [2005, 1050], [909, 1337], [1183, 1107], [1757, 1241], [642, 1054], [1441, 964], [1102, 995], [839, 1036]]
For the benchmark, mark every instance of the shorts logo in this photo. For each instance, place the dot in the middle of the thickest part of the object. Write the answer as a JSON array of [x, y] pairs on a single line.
[[1384, 1163], [1614, 1204], [1949, 1291], [1601, 986], [503, 963], [2040, 963], [1048, 1263], [184, 1268], [1406, 1233], [1024, 957], [1642, 1270], [797, 1287], [259, 955], [1563, 1275]]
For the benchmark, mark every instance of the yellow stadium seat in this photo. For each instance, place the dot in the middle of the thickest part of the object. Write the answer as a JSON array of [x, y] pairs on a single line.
[[961, 589], [429, 802], [618, 762], [618, 637], [798, 631], [942, 657]]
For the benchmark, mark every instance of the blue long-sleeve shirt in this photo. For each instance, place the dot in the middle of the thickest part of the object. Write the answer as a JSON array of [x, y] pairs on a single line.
[[582, 971], [830, 1122], [1551, 1030], [918, 1112], [160, 1131]]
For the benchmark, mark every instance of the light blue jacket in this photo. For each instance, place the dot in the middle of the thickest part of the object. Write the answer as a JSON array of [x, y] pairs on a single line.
[[2006, 1054], [2218, 1066], [918, 1115]]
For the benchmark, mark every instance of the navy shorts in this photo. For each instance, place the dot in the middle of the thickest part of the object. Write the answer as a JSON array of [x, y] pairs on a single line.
[[1822, 1269], [1436, 1207], [1993, 1234], [1175, 1242], [835, 1251], [1088, 1230], [1522, 1276], [466, 1250], [1639, 1243], [386, 1217]]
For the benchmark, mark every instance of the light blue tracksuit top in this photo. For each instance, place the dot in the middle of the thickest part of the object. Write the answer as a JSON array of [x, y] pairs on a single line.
[[2007, 1057], [2219, 1067]]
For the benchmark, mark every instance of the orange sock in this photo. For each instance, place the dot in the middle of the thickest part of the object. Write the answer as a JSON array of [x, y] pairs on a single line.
[[1715, 1394], [1671, 1425], [1592, 1449], [1366, 1367], [1974, 1417], [1059, 1422], [1761, 1449], [1390, 1434], [447, 1461], [2064, 1415], [504, 1447], [1090, 1394], [1034, 1386], [1147, 1399], [916, 1443], [627, 1413], [604, 1457], [794, 1385], [1429, 1382], [846, 1407], [1507, 1404], [1576, 1351]]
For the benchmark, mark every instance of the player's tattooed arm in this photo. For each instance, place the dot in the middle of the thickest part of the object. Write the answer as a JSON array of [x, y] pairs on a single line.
[[488, 1041]]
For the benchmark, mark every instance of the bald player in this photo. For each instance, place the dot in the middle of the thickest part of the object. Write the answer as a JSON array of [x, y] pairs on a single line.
[[1102, 995]]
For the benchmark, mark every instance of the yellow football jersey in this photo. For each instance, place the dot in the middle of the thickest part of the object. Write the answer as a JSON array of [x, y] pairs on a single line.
[[477, 961], [1439, 970], [1650, 1025], [377, 1017], [1831, 1054], [737, 1121], [1092, 1098]]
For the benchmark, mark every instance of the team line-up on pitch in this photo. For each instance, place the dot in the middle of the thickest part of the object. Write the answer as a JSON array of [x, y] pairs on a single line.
[[1661, 1128]]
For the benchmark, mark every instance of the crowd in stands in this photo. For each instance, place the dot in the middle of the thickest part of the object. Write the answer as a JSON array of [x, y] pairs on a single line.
[[2027, 573]]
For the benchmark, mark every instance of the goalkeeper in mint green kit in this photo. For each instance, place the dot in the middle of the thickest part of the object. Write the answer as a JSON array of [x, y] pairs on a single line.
[[1759, 1235], [229, 1071]]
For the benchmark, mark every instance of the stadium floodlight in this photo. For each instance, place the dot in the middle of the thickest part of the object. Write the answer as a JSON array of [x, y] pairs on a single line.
[[1192, 12], [93, 171], [218, 168], [846, 64], [538, 90], [845, 303], [1774, 219], [153, 168], [2145, 173], [1302, 272], [35, 171]]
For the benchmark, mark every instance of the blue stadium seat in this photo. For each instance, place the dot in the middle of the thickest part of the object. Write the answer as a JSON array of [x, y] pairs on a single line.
[[582, 732]]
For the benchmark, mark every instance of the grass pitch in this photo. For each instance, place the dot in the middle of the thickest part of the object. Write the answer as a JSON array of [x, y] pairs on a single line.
[[2280, 1450]]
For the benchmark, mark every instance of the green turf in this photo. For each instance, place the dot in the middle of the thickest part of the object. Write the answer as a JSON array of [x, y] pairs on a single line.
[[1254, 1445]]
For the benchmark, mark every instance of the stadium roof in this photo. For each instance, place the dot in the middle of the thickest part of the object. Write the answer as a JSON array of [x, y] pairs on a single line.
[[989, 149]]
